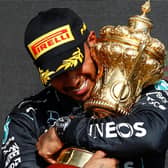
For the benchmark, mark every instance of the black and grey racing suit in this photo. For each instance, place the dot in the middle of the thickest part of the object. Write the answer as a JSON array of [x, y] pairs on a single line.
[[137, 140]]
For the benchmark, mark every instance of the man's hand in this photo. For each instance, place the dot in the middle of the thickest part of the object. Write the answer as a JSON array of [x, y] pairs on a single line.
[[48, 144], [98, 160]]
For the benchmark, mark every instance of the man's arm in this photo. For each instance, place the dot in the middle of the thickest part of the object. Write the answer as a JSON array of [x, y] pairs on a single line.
[[20, 136], [145, 130]]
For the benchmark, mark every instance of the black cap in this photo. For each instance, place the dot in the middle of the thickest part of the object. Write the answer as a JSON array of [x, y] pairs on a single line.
[[55, 40]]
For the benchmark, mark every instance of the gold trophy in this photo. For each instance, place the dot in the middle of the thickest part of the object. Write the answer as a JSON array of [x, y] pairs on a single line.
[[132, 60]]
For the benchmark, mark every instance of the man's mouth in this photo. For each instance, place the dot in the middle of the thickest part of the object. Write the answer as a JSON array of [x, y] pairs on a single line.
[[82, 89]]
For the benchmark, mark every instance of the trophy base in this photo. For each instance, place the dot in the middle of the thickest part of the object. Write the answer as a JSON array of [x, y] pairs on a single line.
[[60, 165], [72, 158]]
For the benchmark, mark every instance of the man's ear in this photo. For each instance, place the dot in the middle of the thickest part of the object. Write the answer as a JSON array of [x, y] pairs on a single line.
[[91, 38], [98, 62], [96, 58]]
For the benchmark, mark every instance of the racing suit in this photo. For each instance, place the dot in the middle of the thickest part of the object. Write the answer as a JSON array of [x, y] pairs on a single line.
[[138, 140]]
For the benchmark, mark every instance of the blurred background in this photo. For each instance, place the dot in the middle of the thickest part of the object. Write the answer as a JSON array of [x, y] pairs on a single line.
[[18, 76]]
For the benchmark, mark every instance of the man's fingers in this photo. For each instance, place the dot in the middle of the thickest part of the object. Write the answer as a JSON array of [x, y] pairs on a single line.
[[98, 160], [50, 160], [101, 155], [113, 161], [98, 154]]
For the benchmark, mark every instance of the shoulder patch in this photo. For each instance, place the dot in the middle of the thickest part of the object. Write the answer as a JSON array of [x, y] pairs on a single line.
[[6, 130], [161, 85]]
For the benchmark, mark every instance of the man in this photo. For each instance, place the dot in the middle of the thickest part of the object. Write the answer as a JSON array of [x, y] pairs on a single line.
[[127, 137], [57, 36], [58, 50]]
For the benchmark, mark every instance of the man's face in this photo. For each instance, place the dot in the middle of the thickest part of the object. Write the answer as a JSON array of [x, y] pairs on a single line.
[[78, 83]]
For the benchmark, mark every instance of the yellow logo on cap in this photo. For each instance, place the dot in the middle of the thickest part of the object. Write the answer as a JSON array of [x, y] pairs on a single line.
[[72, 61], [45, 75], [50, 40], [77, 56]]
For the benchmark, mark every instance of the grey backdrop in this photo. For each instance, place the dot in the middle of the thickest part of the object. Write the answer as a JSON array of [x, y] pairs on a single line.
[[18, 77]]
